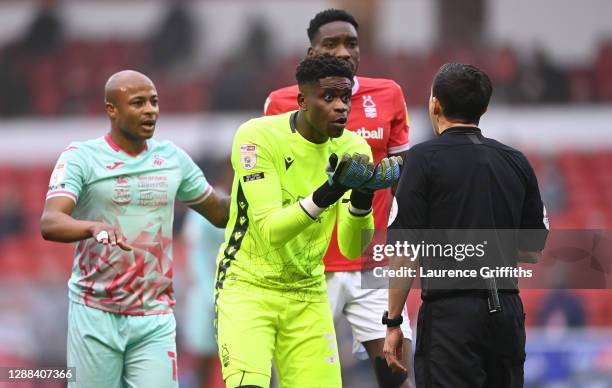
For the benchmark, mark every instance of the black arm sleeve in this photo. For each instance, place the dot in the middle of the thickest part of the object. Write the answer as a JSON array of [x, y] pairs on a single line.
[[409, 211], [534, 221]]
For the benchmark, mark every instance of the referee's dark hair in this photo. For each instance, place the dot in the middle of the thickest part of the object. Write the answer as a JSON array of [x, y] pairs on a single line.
[[312, 69], [328, 16], [463, 90]]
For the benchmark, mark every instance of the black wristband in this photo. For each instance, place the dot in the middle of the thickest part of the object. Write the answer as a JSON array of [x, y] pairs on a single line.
[[361, 200], [326, 195], [391, 322]]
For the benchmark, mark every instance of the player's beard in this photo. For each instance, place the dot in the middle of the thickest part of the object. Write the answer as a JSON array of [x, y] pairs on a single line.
[[132, 135]]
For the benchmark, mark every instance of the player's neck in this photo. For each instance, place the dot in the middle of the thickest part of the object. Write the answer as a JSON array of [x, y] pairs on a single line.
[[131, 147], [444, 124], [307, 131]]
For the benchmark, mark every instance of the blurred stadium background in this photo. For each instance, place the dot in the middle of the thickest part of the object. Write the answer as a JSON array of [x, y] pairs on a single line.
[[214, 62]]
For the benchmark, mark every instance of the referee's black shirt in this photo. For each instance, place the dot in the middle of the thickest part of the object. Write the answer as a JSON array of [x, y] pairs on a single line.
[[463, 180]]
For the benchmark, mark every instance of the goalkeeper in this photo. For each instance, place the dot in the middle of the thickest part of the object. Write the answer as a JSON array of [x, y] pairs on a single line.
[[291, 171]]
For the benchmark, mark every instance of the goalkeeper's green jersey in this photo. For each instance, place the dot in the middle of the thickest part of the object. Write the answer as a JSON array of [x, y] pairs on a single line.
[[271, 243]]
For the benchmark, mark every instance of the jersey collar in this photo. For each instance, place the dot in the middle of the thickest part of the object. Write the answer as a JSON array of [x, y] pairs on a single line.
[[117, 148], [462, 130], [292, 123]]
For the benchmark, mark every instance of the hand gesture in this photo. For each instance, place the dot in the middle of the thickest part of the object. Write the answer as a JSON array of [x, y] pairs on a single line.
[[107, 234], [386, 174], [351, 172], [393, 349]]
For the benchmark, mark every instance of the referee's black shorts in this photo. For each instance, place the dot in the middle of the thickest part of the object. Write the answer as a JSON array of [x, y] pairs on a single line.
[[459, 344]]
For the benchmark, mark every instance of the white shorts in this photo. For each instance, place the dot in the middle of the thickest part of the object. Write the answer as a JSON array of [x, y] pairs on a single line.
[[363, 308]]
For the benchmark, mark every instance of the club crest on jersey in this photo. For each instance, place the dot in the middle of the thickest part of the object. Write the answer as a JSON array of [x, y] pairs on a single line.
[[248, 156], [158, 161], [369, 107], [122, 194]]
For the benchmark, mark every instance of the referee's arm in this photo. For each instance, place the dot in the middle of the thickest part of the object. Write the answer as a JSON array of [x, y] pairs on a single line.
[[398, 292], [534, 220], [408, 214]]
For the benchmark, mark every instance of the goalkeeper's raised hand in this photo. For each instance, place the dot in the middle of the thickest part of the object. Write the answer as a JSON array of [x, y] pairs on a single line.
[[350, 172], [386, 174]]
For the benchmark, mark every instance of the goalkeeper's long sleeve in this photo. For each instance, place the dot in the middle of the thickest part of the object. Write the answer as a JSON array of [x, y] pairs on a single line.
[[276, 219], [355, 231]]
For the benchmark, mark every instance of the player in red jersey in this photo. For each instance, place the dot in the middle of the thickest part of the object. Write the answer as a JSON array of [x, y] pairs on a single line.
[[378, 115]]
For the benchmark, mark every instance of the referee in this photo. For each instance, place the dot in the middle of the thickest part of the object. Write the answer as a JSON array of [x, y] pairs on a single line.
[[467, 336]]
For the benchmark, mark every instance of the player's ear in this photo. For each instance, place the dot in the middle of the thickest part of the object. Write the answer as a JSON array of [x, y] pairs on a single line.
[[301, 100], [310, 52], [111, 111], [437, 108]]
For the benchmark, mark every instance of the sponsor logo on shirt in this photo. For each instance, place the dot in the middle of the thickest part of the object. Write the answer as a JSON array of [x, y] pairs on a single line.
[[248, 156], [152, 190], [153, 197], [373, 134], [369, 107]]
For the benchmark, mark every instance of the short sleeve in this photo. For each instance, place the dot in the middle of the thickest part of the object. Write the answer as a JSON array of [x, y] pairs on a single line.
[[400, 125], [69, 174], [194, 187], [409, 210]]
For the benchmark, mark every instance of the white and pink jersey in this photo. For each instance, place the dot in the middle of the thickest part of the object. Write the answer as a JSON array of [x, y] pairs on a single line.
[[135, 193]]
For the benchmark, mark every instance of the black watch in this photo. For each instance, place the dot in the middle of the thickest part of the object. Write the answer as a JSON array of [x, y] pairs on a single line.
[[391, 322]]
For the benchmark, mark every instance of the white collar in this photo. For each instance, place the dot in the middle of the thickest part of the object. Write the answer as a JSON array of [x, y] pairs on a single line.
[[355, 84]]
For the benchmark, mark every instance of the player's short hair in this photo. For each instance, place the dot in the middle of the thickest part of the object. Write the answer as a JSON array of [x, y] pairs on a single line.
[[328, 16], [463, 90], [313, 68]]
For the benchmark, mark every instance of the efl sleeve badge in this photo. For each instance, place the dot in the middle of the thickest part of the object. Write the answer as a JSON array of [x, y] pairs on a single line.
[[248, 156]]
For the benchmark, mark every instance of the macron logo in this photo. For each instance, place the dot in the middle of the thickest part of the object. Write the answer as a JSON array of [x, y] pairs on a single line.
[[114, 165], [374, 134]]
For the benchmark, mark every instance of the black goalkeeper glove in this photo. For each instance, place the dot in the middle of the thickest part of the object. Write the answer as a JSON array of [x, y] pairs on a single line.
[[351, 172]]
